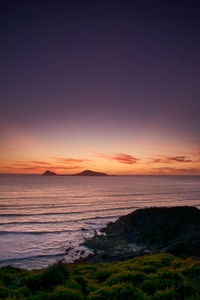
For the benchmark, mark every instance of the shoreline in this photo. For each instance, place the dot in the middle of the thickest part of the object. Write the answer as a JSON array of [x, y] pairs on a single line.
[[112, 275]]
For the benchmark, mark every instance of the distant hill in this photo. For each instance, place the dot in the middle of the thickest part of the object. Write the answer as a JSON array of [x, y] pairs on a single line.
[[49, 173], [90, 173]]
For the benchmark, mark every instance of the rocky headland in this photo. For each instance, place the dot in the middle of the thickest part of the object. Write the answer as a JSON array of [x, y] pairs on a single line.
[[174, 230]]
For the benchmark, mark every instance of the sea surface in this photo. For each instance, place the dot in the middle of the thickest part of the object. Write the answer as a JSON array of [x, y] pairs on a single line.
[[45, 219]]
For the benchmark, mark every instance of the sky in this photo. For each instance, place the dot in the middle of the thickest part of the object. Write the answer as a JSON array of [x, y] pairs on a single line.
[[111, 86]]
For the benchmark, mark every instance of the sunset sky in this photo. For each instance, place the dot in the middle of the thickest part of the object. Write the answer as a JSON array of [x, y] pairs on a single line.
[[108, 87]]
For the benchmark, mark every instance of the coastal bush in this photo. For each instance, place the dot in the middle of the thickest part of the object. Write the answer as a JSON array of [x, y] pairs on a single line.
[[41, 295], [4, 291], [102, 275], [33, 281], [166, 261], [54, 275], [72, 284], [186, 289], [123, 291], [83, 284], [158, 277], [150, 286], [192, 271], [166, 294], [63, 293], [126, 276]]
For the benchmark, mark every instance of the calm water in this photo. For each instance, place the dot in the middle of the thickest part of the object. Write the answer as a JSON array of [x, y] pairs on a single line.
[[40, 217]]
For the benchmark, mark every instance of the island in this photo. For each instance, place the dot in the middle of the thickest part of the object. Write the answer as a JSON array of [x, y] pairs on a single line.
[[90, 173], [49, 173], [83, 173]]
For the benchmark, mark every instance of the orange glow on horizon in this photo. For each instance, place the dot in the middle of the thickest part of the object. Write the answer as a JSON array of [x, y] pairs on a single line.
[[21, 152], [117, 163]]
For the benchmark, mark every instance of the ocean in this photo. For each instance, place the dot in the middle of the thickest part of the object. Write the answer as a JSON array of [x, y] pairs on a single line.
[[45, 219]]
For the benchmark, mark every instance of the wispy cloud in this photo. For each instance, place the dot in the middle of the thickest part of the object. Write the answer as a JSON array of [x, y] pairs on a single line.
[[40, 162], [18, 167], [120, 157], [69, 160], [169, 159], [176, 171], [40, 166], [179, 159]]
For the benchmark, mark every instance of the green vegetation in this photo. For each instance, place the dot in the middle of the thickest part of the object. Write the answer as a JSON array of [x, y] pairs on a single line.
[[159, 277]]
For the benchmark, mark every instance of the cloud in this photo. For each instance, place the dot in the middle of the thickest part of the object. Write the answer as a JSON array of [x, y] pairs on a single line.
[[18, 167], [120, 157], [40, 162], [37, 166], [69, 160], [169, 159], [179, 159], [177, 171]]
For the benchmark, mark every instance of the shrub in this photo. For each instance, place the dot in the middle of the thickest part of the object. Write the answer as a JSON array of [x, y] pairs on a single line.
[[170, 277], [119, 291], [149, 269], [186, 289], [4, 292], [39, 296], [150, 286], [33, 282], [72, 284], [54, 275], [62, 293], [165, 294], [102, 275], [133, 277], [166, 261], [192, 272], [83, 283]]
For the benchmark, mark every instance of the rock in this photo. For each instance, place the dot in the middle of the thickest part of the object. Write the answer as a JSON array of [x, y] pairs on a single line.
[[68, 249], [84, 229]]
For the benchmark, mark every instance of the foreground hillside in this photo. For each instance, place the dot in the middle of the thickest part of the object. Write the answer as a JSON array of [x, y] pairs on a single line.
[[161, 276]]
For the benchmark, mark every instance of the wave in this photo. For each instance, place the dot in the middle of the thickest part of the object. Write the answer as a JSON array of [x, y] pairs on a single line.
[[37, 232], [60, 222], [47, 205], [69, 213], [15, 259]]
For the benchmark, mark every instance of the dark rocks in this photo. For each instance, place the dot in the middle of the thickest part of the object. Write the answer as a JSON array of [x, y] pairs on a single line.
[[151, 230], [68, 249]]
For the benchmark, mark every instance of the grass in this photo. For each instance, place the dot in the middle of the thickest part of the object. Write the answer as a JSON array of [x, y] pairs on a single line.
[[158, 277]]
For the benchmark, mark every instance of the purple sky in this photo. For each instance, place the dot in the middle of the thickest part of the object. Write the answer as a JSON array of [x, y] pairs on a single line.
[[101, 68]]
